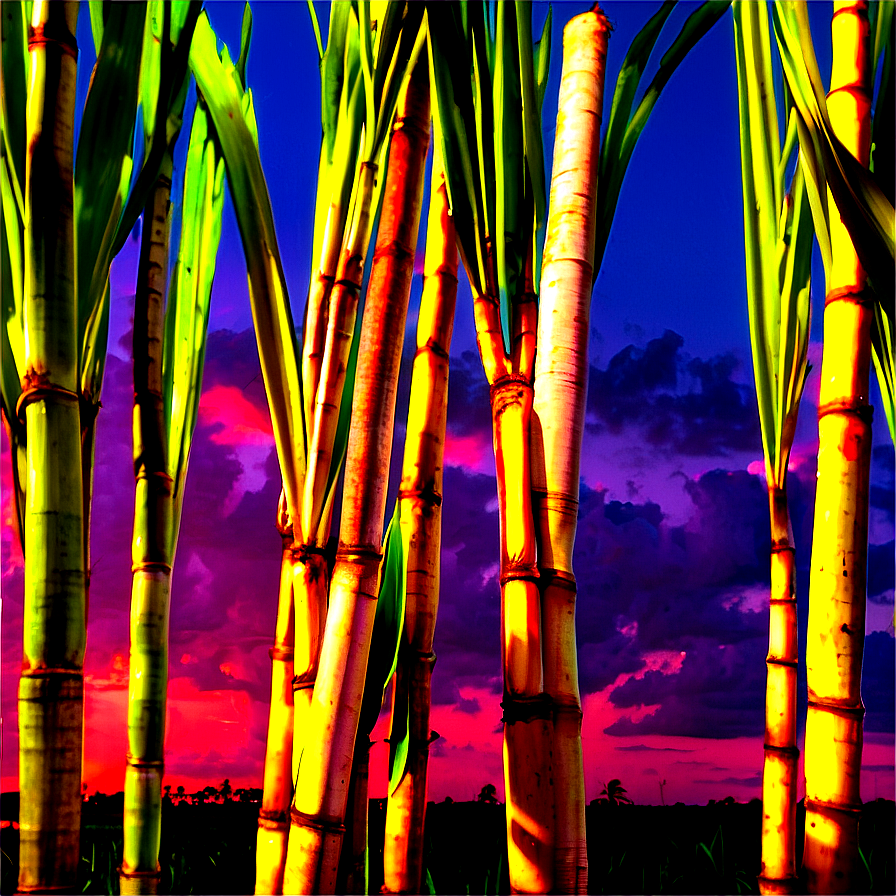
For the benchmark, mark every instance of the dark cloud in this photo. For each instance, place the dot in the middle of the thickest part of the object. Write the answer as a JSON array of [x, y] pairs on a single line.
[[881, 572], [717, 692], [683, 405], [878, 689]]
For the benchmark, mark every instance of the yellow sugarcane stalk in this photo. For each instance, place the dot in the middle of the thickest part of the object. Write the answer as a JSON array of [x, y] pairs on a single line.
[[527, 711], [51, 686], [151, 557], [781, 756], [273, 817], [318, 811], [420, 497], [833, 751], [561, 367]]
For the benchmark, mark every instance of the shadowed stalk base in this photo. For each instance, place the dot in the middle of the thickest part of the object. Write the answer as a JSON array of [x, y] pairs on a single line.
[[353, 873]]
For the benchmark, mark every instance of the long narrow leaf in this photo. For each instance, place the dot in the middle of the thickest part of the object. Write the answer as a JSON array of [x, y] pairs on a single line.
[[387, 626], [233, 118], [102, 171], [186, 315]]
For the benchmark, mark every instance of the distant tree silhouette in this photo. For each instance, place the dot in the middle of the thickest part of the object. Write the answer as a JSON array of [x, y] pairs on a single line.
[[226, 791], [488, 794], [615, 793], [181, 794], [167, 797]]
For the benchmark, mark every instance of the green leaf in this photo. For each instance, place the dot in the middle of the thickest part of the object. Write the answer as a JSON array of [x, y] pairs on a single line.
[[865, 210], [315, 24], [454, 121], [882, 344], [234, 126], [173, 80], [15, 65], [102, 167], [245, 39], [189, 295], [510, 209], [387, 626], [97, 23], [399, 738]]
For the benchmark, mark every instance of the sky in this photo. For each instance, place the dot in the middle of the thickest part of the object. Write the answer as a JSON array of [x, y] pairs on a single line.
[[673, 536]]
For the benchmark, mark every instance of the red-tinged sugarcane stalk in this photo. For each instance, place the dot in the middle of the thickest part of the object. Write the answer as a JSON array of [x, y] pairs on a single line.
[[273, 817], [835, 642], [561, 367], [527, 709], [151, 558], [319, 807], [779, 770], [421, 521], [51, 687]]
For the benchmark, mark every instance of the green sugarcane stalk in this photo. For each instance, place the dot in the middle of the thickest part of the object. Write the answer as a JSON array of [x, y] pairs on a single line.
[[151, 557], [51, 686]]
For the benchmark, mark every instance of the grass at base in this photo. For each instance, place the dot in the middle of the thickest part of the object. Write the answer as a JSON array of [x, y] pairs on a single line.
[[210, 849]]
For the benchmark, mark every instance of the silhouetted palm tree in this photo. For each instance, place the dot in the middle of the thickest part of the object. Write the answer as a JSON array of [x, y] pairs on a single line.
[[615, 793]]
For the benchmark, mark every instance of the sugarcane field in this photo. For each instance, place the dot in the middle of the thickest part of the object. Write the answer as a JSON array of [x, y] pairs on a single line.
[[512, 383]]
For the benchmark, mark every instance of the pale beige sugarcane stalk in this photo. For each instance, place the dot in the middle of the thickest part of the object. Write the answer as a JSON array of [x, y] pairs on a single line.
[[151, 558], [51, 689], [561, 369], [421, 519], [836, 627], [273, 817], [320, 802], [779, 770]]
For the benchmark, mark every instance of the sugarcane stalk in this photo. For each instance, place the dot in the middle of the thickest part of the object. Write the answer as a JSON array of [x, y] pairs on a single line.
[[527, 710], [354, 862], [836, 631], [420, 497], [51, 686], [561, 367], [320, 802], [273, 817], [781, 756], [151, 557]]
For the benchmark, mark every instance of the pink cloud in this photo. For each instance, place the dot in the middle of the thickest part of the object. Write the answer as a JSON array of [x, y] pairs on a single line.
[[472, 451], [242, 422]]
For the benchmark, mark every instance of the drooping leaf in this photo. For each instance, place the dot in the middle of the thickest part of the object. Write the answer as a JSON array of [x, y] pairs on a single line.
[[233, 120]]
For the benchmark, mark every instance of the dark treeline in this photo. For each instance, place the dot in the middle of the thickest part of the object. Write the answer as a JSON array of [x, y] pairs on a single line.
[[208, 845]]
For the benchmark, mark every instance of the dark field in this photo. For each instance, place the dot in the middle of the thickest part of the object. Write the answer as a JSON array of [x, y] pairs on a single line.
[[210, 848]]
